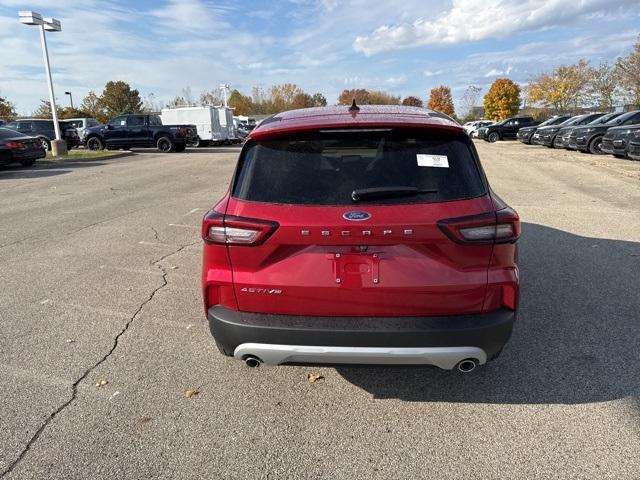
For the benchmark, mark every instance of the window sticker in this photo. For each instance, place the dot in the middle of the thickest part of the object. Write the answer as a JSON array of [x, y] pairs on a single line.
[[439, 161]]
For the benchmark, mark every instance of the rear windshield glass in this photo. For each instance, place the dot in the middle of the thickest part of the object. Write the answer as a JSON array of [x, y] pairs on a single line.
[[326, 168], [8, 133]]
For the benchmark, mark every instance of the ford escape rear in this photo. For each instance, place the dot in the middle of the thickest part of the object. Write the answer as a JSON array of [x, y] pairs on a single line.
[[362, 235]]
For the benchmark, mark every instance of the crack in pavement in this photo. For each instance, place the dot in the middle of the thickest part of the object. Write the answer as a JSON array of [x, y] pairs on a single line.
[[88, 371]]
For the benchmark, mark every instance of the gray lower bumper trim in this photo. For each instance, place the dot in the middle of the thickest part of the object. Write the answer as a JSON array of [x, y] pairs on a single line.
[[444, 357]]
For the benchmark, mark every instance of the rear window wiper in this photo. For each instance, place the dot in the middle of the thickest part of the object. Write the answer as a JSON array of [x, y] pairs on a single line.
[[387, 192]]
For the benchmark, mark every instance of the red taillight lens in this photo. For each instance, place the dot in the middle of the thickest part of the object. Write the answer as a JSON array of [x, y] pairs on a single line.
[[230, 230], [16, 145], [502, 226]]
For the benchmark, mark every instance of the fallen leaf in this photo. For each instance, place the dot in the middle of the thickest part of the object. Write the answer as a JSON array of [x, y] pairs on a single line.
[[314, 377], [174, 268], [114, 394], [145, 420], [102, 383], [191, 392], [70, 340]]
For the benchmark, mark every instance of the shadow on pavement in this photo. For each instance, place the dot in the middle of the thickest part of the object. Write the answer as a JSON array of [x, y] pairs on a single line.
[[45, 168], [576, 339]]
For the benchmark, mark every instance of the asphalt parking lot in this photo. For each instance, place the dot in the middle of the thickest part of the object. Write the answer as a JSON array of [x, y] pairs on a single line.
[[102, 332]]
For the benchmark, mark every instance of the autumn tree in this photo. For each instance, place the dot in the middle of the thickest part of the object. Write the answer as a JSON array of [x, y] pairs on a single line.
[[177, 101], [282, 95], [441, 100], [470, 99], [91, 105], [211, 97], [604, 86], [43, 110], [564, 89], [71, 112], [359, 94], [150, 104], [411, 101], [319, 100], [118, 98], [7, 109], [628, 70], [379, 97], [502, 100], [302, 100], [242, 104]]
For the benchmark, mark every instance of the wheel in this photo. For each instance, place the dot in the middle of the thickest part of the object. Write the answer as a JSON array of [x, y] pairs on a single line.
[[28, 163], [197, 143], [493, 137], [46, 144], [94, 143], [180, 147], [164, 144], [594, 146]]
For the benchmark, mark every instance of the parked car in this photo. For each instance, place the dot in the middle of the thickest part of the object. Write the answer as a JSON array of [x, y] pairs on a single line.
[[2, 122], [16, 147], [472, 127], [206, 120], [633, 151], [45, 131], [573, 145], [616, 141], [139, 130], [560, 138], [342, 244], [589, 137], [526, 134], [81, 124], [507, 129]]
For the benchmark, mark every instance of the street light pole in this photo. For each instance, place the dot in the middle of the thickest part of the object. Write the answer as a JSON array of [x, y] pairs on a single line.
[[70, 98], [58, 146], [47, 67]]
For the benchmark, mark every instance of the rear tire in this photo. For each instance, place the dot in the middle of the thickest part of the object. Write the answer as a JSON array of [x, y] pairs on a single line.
[[165, 144], [493, 137], [94, 143], [197, 143], [46, 144], [594, 146]]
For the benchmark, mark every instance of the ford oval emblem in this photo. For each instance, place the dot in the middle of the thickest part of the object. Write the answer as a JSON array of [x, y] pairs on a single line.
[[356, 216]]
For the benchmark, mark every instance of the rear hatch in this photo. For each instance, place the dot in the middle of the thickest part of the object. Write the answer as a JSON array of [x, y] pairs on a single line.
[[325, 250]]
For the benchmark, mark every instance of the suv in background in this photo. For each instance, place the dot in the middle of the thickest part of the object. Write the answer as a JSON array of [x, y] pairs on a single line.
[[80, 124], [616, 141], [472, 127], [526, 134], [589, 137], [45, 131], [507, 129], [552, 136], [572, 142], [360, 235]]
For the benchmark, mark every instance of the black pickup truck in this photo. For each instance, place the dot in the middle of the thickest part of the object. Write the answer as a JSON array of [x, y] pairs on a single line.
[[139, 130]]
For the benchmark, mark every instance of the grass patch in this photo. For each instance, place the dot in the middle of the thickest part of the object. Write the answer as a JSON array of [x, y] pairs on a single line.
[[75, 155]]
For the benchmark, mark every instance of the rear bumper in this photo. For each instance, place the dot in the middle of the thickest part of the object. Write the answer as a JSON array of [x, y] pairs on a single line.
[[441, 341]]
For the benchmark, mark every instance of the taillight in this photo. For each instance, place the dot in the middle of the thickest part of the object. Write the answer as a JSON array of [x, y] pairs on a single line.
[[16, 145], [183, 130], [502, 226], [230, 230]]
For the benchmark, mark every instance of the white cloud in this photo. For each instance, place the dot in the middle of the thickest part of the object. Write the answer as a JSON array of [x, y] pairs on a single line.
[[471, 20], [494, 72], [430, 73]]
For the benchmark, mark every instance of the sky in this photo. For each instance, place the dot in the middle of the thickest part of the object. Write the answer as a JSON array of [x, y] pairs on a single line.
[[326, 46]]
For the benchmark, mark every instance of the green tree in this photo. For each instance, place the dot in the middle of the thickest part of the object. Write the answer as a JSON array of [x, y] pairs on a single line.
[[319, 100], [118, 98], [7, 109], [379, 97], [628, 70], [412, 101], [441, 100], [502, 100]]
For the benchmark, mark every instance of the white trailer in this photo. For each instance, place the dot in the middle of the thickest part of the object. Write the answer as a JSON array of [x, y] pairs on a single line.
[[206, 119]]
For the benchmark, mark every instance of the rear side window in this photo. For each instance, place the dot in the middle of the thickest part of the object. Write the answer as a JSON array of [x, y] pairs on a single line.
[[8, 133], [326, 168]]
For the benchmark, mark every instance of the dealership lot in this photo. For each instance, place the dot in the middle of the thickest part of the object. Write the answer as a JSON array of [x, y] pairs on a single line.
[[102, 332]]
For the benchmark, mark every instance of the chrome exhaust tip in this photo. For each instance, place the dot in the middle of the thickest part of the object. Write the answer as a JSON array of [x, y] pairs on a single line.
[[252, 361], [468, 365]]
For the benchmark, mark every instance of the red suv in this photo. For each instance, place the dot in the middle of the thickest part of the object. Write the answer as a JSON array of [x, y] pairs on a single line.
[[360, 235]]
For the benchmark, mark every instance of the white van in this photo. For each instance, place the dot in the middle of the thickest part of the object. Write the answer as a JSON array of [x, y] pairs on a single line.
[[206, 119]]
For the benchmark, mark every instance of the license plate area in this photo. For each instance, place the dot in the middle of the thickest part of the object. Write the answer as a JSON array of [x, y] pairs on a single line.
[[356, 270]]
